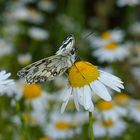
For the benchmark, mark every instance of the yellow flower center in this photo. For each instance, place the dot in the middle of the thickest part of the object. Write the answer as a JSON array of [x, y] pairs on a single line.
[[21, 137], [104, 106], [45, 138], [82, 73], [29, 119], [107, 123], [111, 46], [106, 35], [122, 99], [70, 105], [1, 46], [138, 107], [62, 125], [31, 91], [26, 117]]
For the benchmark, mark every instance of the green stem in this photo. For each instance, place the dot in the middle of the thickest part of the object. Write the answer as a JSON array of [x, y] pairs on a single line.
[[23, 125], [91, 126]]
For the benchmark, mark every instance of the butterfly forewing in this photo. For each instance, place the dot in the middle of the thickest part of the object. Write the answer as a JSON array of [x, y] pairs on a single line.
[[48, 68]]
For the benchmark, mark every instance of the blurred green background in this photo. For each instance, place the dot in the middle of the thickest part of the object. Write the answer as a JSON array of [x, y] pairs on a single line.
[[34, 29]]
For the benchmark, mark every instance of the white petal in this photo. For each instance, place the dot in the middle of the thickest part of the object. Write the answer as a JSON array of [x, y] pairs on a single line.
[[64, 104], [111, 81], [100, 90], [7, 82], [3, 77], [75, 96], [109, 84], [66, 95], [80, 95], [87, 97], [65, 99], [2, 73], [106, 74], [91, 109]]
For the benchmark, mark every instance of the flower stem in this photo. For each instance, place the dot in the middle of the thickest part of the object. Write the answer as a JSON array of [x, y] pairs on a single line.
[[91, 126], [23, 125]]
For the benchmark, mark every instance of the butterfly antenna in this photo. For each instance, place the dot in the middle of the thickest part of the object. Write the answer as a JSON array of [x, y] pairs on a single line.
[[83, 77], [79, 71], [89, 34]]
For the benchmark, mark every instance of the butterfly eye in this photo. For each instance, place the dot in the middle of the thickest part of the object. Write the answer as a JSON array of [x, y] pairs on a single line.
[[72, 51]]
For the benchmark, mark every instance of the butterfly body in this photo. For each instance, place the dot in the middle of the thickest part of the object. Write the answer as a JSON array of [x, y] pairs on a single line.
[[49, 68]]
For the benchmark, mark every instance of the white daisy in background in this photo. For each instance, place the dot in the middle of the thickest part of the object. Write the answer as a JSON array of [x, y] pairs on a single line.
[[45, 138], [108, 110], [122, 99], [134, 57], [134, 110], [80, 118], [5, 82], [38, 33], [61, 84], [135, 29], [122, 3], [5, 48], [24, 59], [136, 73], [11, 28], [27, 14], [31, 92], [47, 5], [68, 23], [111, 52], [62, 126], [39, 100], [41, 106], [115, 35], [14, 91], [109, 128], [85, 80]]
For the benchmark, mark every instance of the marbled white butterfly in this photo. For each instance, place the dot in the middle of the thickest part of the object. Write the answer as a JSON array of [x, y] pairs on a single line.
[[48, 68]]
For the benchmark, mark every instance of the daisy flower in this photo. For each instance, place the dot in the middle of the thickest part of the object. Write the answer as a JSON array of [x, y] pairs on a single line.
[[109, 128], [47, 5], [108, 110], [38, 33], [115, 35], [45, 138], [24, 59], [85, 80], [122, 3], [32, 91], [122, 99], [61, 84], [5, 48], [134, 57], [40, 106], [111, 52], [5, 83], [134, 110], [27, 14], [16, 91], [62, 126], [68, 23], [136, 73], [135, 29], [39, 99]]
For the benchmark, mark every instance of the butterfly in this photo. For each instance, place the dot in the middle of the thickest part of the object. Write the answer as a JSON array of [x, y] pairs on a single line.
[[49, 68]]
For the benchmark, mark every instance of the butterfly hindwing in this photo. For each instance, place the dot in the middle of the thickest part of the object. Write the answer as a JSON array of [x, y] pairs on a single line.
[[43, 70]]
